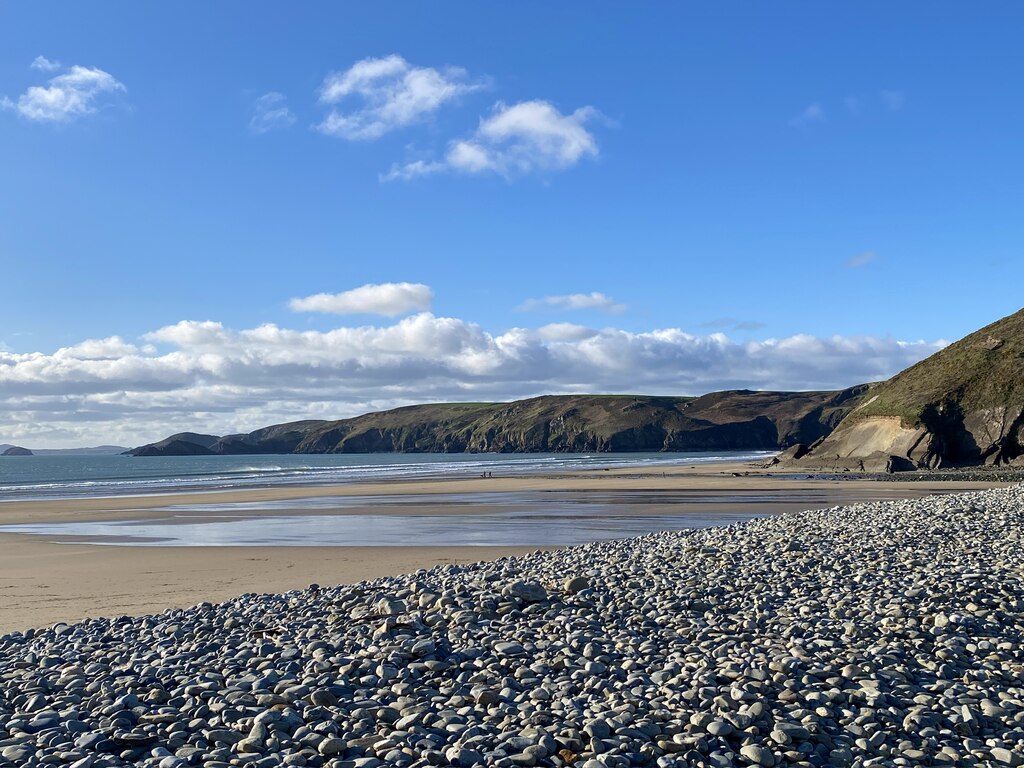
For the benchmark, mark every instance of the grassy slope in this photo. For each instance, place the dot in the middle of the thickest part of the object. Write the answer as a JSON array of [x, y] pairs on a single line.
[[718, 421], [599, 414], [570, 420], [966, 373]]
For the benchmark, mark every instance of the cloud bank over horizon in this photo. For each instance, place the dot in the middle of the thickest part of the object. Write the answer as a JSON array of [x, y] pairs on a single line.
[[203, 376]]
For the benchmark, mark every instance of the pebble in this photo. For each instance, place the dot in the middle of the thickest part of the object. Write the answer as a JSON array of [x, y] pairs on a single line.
[[573, 585], [758, 755], [332, 746], [527, 592], [1005, 756], [880, 634], [720, 728]]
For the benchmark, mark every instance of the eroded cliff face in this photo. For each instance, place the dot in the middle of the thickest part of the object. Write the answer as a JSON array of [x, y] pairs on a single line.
[[996, 433], [880, 443], [962, 406]]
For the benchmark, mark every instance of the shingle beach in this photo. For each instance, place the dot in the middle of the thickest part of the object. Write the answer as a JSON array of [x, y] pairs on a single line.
[[887, 633]]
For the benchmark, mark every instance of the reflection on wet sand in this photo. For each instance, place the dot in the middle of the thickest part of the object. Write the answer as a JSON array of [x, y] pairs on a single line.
[[511, 522]]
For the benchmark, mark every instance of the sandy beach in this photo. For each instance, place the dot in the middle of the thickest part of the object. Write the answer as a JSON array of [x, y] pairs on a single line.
[[42, 582]]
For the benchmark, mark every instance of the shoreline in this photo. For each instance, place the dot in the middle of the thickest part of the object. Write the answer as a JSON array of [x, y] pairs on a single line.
[[718, 477], [231, 479], [42, 582]]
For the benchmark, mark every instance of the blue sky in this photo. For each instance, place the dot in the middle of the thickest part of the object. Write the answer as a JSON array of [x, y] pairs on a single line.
[[643, 197]]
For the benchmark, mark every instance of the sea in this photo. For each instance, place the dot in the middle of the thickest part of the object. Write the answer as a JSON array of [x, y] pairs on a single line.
[[46, 477]]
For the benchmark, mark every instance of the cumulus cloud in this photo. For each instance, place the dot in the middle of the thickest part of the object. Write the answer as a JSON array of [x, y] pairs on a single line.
[[44, 64], [528, 137], [594, 300], [66, 97], [111, 348], [810, 115], [271, 113], [525, 137], [388, 299], [202, 375], [565, 332], [861, 259], [388, 93]]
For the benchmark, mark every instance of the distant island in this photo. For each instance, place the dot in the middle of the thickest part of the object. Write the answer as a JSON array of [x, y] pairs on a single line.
[[6, 449]]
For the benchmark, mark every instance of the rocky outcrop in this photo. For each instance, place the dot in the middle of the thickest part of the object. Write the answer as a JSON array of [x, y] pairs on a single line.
[[734, 420], [962, 406], [17, 450]]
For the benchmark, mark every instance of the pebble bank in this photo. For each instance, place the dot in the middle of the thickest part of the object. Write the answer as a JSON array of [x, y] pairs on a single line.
[[876, 634]]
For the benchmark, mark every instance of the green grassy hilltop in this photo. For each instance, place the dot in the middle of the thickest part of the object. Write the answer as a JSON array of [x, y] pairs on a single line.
[[963, 405], [733, 420]]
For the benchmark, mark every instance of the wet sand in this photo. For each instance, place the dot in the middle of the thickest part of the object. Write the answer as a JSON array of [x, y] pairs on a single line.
[[42, 582]]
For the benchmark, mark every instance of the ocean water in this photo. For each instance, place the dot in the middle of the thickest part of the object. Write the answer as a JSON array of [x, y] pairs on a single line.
[[35, 477]]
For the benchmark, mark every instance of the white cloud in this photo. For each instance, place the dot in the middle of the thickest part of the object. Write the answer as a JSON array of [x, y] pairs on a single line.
[[528, 137], [531, 135], [111, 348], [271, 112], [44, 64], [812, 114], [571, 301], [65, 97], [413, 170], [861, 259], [894, 100], [389, 299], [205, 376], [565, 332], [390, 94]]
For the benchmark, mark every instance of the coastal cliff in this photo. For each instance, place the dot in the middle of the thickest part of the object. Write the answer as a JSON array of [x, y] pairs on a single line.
[[962, 406], [732, 420]]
